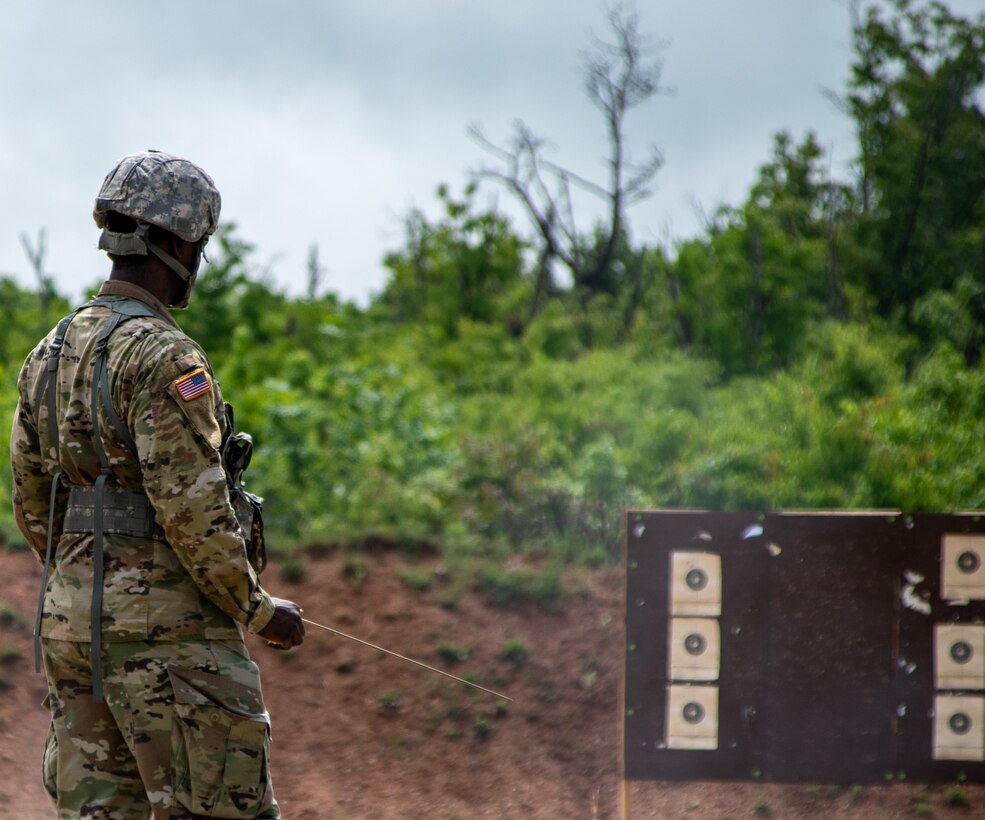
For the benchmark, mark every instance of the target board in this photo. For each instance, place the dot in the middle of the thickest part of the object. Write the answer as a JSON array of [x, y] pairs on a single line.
[[805, 647]]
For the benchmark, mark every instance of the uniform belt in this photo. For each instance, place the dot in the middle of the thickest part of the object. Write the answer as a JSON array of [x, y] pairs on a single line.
[[125, 512]]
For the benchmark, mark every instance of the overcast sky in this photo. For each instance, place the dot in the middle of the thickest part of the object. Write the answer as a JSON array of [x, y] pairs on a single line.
[[324, 121]]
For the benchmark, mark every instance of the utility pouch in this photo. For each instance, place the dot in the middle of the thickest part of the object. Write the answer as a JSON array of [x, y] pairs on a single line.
[[249, 514], [237, 451], [220, 744]]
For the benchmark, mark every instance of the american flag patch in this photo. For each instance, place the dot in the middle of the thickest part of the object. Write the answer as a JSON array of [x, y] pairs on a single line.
[[193, 385]]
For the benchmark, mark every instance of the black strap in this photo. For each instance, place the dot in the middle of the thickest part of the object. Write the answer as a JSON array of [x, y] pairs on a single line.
[[96, 609], [123, 309], [99, 378], [44, 573], [100, 391]]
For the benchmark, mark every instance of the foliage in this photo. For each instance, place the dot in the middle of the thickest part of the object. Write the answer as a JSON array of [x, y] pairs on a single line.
[[454, 653], [515, 651], [819, 345], [418, 578], [956, 795], [10, 617], [915, 96], [389, 700]]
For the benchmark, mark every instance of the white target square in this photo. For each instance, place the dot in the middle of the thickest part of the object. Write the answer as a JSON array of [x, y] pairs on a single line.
[[694, 650], [959, 656], [692, 717], [963, 567], [959, 727], [696, 584]]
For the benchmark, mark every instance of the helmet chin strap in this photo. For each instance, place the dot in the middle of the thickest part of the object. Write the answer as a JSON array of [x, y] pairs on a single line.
[[137, 244], [186, 276]]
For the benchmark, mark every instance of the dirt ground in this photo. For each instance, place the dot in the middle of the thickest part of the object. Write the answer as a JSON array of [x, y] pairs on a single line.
[[361, 736]]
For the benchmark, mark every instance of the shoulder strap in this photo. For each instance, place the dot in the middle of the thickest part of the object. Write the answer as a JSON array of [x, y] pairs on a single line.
[[122, 309]]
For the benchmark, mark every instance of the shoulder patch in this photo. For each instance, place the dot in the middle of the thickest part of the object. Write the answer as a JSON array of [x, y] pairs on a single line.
[[193, 384]]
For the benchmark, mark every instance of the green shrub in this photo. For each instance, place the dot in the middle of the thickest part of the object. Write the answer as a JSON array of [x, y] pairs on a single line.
[[389, 700], [454, 653], [10, 617], [9, 655], [417, 578], [956, 795], [506, 587], [482, 727], [515, 651]]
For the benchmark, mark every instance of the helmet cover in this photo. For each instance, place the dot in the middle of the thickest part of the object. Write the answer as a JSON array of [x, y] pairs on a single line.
[[163, 190]]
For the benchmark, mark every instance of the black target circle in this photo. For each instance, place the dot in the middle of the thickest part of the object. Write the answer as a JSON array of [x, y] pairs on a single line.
[[695, 644], [960, 723], [961, 652], [969, 562], [693, 712], [696, 579]]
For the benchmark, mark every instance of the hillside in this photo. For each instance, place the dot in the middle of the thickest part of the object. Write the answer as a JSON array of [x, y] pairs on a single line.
[[360, 736]]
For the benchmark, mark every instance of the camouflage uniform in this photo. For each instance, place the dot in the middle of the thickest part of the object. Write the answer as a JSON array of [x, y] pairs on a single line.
[[182, 729]]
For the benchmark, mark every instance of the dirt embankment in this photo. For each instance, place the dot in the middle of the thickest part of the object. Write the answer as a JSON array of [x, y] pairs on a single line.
[[361, 736]]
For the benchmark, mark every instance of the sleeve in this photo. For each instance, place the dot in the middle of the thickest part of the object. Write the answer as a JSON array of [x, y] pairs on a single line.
[[177, 429], [31, 482]]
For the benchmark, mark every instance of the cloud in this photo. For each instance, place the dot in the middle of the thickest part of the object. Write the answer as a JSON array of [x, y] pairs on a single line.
[[324, 122]]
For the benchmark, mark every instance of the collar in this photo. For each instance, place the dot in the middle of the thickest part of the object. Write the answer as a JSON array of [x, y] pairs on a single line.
[[116, 287]]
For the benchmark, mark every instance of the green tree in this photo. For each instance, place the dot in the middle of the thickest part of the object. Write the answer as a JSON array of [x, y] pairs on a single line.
[[468, 266], [915, 96], [748, 292]]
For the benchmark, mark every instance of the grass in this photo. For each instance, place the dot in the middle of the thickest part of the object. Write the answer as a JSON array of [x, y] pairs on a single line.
[[9, 655], [11, 617], [516, 652], [482, 727], [417, 578], [454, 653], [921, 804], [505, 587], [459, 584], [389, 700], [956, 796]]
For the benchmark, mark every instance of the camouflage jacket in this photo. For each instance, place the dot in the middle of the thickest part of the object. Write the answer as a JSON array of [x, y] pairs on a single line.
[[196, 584]]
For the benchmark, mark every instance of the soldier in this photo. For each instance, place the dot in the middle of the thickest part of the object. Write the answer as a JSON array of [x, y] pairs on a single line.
[[120, 488]]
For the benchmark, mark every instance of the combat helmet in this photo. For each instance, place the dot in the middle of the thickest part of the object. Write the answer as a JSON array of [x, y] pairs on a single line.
[[155, 188]]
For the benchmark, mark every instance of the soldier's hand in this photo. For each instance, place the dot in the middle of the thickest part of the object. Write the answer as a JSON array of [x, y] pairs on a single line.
[[285, 628]]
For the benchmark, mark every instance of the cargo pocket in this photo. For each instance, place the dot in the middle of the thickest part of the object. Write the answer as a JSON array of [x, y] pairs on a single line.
[[219, 748], [49, 760]]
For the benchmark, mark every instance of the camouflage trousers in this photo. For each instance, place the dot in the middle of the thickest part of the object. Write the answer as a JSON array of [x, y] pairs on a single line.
[[182, 732]]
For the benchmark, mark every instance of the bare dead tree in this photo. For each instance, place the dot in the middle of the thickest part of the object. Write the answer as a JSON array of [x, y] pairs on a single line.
[[36, 256], [620, 74], [315, 272]]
